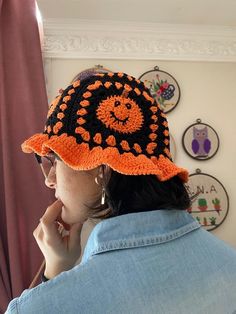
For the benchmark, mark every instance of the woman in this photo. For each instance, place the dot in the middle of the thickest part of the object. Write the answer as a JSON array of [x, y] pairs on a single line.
[[105, 151]]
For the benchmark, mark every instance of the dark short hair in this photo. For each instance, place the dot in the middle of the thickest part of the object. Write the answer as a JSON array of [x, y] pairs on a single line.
[[138, 193]]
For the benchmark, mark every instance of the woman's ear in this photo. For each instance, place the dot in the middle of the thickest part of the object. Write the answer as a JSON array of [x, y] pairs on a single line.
[[103, 175]]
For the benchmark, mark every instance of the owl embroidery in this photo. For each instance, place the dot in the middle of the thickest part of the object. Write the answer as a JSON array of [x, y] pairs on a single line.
[[201, 145]]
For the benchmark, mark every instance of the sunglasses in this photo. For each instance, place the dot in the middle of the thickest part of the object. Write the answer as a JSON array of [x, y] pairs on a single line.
[[47, 162]]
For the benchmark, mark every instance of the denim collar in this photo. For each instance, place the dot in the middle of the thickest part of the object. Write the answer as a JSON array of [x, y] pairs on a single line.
[[138, 229]]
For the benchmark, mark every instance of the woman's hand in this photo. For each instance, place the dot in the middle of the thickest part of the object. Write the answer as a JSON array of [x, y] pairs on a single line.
[[60, 252]]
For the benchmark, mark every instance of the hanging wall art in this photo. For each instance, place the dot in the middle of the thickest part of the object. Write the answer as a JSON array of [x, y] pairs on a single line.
[[163, 87], [200, 141], [210, 205], [98, 68]]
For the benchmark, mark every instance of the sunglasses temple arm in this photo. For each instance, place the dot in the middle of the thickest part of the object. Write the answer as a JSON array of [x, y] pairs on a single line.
[[41, 166]]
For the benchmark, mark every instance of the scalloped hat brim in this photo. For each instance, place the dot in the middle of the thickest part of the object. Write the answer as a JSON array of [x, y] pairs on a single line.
[[80, 157]]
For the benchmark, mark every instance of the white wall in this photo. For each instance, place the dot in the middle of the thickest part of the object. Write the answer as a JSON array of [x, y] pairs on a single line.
[[207, 92]]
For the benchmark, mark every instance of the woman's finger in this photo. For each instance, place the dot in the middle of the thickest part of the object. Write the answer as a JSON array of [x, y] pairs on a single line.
[[37, 231], [65, 225], [48, 220], [52, 212]]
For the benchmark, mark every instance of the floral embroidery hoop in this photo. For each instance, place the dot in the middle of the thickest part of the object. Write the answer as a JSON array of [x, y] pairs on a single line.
[[163, 87], [211, 204]]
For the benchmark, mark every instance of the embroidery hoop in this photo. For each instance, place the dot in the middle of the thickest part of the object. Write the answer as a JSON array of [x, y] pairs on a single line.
[[187, 140], [211, 198], [149, 78]]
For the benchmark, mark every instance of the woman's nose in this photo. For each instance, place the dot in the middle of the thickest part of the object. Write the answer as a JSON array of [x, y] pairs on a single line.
[[50, 180]]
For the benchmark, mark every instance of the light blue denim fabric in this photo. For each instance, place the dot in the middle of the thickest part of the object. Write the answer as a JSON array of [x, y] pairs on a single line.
[[159, 261]]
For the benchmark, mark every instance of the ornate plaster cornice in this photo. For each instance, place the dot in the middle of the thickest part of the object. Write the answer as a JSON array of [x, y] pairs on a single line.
[[86, 39]]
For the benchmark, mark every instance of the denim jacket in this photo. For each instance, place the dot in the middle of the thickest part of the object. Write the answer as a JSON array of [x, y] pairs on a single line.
[[159, 261]]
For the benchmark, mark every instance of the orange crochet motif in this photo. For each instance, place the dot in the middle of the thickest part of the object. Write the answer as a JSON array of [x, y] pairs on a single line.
[[87, 94], [108, 118], [120, 114]]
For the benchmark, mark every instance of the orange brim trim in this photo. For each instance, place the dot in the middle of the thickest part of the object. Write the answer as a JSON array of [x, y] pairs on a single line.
[[80, 157]]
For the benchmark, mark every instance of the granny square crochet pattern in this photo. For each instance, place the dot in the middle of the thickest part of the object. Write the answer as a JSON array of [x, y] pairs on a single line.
[[108, 118]]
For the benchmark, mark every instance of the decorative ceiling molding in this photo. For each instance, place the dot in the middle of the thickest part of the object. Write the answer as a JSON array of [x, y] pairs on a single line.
[[90, 39]]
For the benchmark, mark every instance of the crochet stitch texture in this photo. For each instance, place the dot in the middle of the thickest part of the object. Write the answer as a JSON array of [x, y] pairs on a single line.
[[108, 118]]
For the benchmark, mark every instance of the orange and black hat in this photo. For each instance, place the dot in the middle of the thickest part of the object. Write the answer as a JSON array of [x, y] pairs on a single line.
[[108, 118]]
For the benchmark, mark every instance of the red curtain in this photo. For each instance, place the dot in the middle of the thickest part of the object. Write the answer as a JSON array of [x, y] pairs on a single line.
[[23, 107]]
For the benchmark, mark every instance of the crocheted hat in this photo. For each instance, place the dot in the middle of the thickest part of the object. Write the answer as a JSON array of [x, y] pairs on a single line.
[[108, 118]]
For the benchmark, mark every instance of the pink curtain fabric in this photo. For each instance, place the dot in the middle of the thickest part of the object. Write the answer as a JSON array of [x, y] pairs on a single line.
[[23, 107]]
